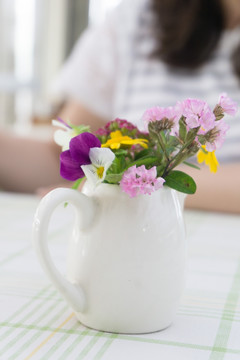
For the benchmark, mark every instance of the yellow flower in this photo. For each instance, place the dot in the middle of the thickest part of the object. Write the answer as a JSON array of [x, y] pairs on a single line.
[[209, 158], [117, 139]]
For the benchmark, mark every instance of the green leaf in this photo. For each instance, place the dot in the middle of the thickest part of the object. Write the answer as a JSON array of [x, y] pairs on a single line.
[[77, 183], [173, 142], [79, 129], [142, 153], [191, 165], [180, 181], [147, 160], [182, 130], [202, 139], [160, 170], [118, 165], [163, 136], [113, 178], [192, 134], [120, 152]]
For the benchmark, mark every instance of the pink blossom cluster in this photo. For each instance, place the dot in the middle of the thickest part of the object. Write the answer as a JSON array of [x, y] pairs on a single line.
[[139, 180], [102, 132], [197, 113], [227, 104], [118, 123], [159, 113], [220, 127], [219, 136], [124, 124]]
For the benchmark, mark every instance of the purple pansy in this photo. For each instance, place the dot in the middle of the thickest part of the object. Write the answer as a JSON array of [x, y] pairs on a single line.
[[78, 154]]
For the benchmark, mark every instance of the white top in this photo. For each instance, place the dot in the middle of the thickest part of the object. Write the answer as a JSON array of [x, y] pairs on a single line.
[[111, 73]]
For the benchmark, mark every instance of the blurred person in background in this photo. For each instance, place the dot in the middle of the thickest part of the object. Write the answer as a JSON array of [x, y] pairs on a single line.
[[146, 53]]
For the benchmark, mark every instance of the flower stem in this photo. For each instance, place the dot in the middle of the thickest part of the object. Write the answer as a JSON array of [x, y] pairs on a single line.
[[162, 145], [178, 158]]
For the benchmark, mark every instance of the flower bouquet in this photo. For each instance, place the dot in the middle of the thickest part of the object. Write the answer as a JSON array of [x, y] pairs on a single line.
[[144, 161], [127, 254]]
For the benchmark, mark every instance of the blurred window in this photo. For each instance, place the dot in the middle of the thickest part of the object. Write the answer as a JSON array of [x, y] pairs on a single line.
[[36, 37], [16, 56]]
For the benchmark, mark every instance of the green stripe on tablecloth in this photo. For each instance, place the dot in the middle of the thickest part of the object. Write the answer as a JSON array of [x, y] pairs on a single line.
[[225, 326], [33, 311], [30, 296], [192, 314], [229, 309], [210, 313], [29, 303], [69, 350], [90, 345], [175, 344], [42, 328], [30, 341], [56, 346], [41, 292], [105, 347], [131, 338], [16, 254], [208, 299]]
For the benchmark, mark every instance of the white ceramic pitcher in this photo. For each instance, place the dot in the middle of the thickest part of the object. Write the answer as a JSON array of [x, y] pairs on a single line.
[[126, 263]]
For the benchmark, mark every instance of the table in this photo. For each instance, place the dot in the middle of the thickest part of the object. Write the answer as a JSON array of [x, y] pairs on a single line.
[[36, 323]]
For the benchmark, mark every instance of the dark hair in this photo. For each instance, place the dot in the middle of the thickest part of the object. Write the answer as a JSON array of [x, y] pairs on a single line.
[[188, 31], [236, 60]]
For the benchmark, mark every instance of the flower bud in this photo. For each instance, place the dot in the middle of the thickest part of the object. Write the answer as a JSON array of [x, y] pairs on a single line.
[[218, 112], [160, 125]]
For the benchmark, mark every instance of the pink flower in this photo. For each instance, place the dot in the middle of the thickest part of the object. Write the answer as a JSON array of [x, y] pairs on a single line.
[[219, 136], [124, 124], [197, 113], [102, 132], [139, 180], [158, 113], [227, 104], [114, 125]]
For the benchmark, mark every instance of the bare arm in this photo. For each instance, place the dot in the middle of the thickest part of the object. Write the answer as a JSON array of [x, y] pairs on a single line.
[[217, 192], [27, 164]]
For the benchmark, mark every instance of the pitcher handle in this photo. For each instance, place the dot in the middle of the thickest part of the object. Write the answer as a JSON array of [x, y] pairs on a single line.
[[73, 294]]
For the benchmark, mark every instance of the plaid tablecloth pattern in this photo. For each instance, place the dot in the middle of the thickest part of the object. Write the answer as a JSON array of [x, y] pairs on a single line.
[[36, 323]]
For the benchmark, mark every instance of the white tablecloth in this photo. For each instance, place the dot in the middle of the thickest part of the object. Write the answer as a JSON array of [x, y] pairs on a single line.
[[36, 323]]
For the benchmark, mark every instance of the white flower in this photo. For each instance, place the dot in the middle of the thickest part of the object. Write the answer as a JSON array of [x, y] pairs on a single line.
[[63, 136], [101, 160], [69, 131]]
